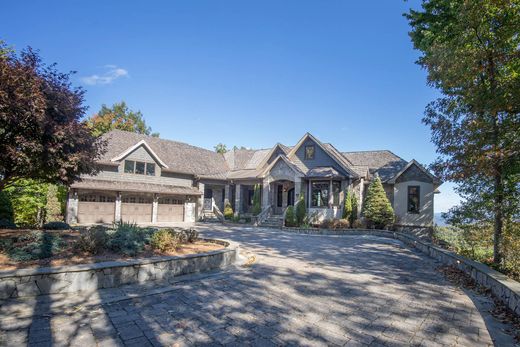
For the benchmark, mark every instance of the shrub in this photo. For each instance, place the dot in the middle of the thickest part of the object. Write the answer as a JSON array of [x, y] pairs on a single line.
[[359, 224], [228, 211], [7, 224], [164, 240], [290, 220], [56, 226], [192, 235], [94, 240], [377, 209], [129, 239], [354, 213], [347, 207], [6, 208], [301, 211], [53, 205], [335, 224], [35, 245], [257, 208]]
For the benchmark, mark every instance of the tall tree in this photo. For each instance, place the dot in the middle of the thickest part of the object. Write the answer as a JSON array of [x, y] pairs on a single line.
[[118, 116], [221, 148], [470, 50], [40, 123]]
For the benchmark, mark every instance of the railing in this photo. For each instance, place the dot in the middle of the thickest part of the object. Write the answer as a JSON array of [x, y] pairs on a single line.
[[262, 216], [208, 204], [216, 211]]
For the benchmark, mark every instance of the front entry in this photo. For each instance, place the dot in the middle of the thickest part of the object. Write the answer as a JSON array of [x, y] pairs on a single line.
[[283, 196], [290, 197]]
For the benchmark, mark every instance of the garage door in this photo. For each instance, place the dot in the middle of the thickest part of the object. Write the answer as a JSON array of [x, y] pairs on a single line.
[[136, 209], [170, 209], [96, 208]]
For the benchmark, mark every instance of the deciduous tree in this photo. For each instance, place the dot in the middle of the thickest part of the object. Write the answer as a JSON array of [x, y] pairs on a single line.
[[40, 123], [470, 50]]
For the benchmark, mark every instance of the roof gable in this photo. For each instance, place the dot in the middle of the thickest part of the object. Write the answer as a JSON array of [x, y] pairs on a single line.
[[139, 144], [332, 153], [414, 163], [269, 170]]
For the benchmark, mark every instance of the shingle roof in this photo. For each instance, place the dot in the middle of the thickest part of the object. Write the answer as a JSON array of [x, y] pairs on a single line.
[[323, 172], [180, 157], [245, 159], [135, 187], [385, 163]]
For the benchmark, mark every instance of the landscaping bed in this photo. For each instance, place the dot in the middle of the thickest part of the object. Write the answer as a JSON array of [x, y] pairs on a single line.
[[23, 248]]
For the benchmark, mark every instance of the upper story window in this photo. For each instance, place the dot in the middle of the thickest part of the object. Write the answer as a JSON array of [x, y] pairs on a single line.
[[139, 168], [309, 152], [413, 199]]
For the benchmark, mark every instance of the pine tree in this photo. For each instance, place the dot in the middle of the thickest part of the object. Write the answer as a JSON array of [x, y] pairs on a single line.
[[377, 208], [347, 207], [290, 219]]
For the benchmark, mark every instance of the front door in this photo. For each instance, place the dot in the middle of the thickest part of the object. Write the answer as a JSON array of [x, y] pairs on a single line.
[[290, 197], [278, 205]]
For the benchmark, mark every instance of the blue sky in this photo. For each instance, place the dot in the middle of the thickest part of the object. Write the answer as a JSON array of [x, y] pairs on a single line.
[[246, 73]]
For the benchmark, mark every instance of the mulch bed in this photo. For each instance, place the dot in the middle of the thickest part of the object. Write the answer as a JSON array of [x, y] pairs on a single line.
[[68, 255]]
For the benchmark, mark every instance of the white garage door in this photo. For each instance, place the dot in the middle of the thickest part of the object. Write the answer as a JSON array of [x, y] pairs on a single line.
[[170, 209]]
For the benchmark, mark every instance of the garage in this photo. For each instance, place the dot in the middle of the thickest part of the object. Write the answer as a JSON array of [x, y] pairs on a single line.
[[170, 209], [96, 208], [136, 209]]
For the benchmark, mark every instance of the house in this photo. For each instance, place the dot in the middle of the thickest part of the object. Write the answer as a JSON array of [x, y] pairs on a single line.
[[150, 180]]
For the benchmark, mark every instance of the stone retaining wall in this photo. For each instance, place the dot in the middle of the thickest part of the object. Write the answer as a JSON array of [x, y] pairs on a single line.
[[92, 277], [504, 288]]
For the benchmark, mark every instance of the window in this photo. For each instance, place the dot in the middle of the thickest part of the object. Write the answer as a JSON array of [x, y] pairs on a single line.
[[129, 166], [320, 193], [309, 152], [279, 196], [413, 199], [336, 187], [139, 168]]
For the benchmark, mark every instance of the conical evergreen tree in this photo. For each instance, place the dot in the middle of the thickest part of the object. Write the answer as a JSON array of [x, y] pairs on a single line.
[[347, 207], [377, 208], [354, 213], [257, 208]]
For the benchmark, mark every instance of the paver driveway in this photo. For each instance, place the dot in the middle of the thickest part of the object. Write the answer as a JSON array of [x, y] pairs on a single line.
[[301, 290]]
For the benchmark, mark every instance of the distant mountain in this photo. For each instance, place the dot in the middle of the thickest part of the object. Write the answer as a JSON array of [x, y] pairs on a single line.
[[437, 219]]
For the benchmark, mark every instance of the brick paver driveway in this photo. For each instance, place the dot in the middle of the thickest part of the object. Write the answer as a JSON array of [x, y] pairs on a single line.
[[301, 290]]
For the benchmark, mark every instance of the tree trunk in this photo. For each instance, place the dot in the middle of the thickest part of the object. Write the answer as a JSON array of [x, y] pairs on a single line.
[[499, 218]]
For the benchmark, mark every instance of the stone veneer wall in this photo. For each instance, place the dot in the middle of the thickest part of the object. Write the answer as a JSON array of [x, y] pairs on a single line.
[[92, 277], [504, 288]]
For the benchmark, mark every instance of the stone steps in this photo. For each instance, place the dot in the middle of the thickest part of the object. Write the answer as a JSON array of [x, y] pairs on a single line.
[[273, 222]]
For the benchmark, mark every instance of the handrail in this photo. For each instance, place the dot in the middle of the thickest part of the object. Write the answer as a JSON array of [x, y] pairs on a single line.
[[262, 216], [216, 211]]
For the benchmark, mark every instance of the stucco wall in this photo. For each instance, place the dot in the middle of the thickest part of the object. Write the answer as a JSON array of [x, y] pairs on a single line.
[[425, 217]]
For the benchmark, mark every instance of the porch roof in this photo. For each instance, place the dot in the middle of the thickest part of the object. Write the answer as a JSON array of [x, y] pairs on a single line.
[[135, 187], [323, 172]]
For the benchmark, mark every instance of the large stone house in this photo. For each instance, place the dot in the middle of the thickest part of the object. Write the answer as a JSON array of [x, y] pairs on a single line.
[[150, 180]]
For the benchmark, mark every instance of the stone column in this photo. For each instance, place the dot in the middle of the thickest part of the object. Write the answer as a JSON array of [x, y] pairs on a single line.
[[265, 193], [331, 195], [117, 216], [72, 207], [238, 192], [200, 201], [227, 193], [297, 189], [155, 207]]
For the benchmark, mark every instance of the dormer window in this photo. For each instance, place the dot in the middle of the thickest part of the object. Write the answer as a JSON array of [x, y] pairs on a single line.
[[139, 168], [309, 152]]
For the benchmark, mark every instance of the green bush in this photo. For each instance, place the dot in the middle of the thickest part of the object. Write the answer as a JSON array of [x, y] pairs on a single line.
[[164, 240], [56, 226], [192, 235], [301, 211], [94, 240], [6, 208], [53, 211], [290, 220], [129, 239], [228, 211], [347, 206], [257, 207], [33, 246], [354, 213], [377, 209]]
